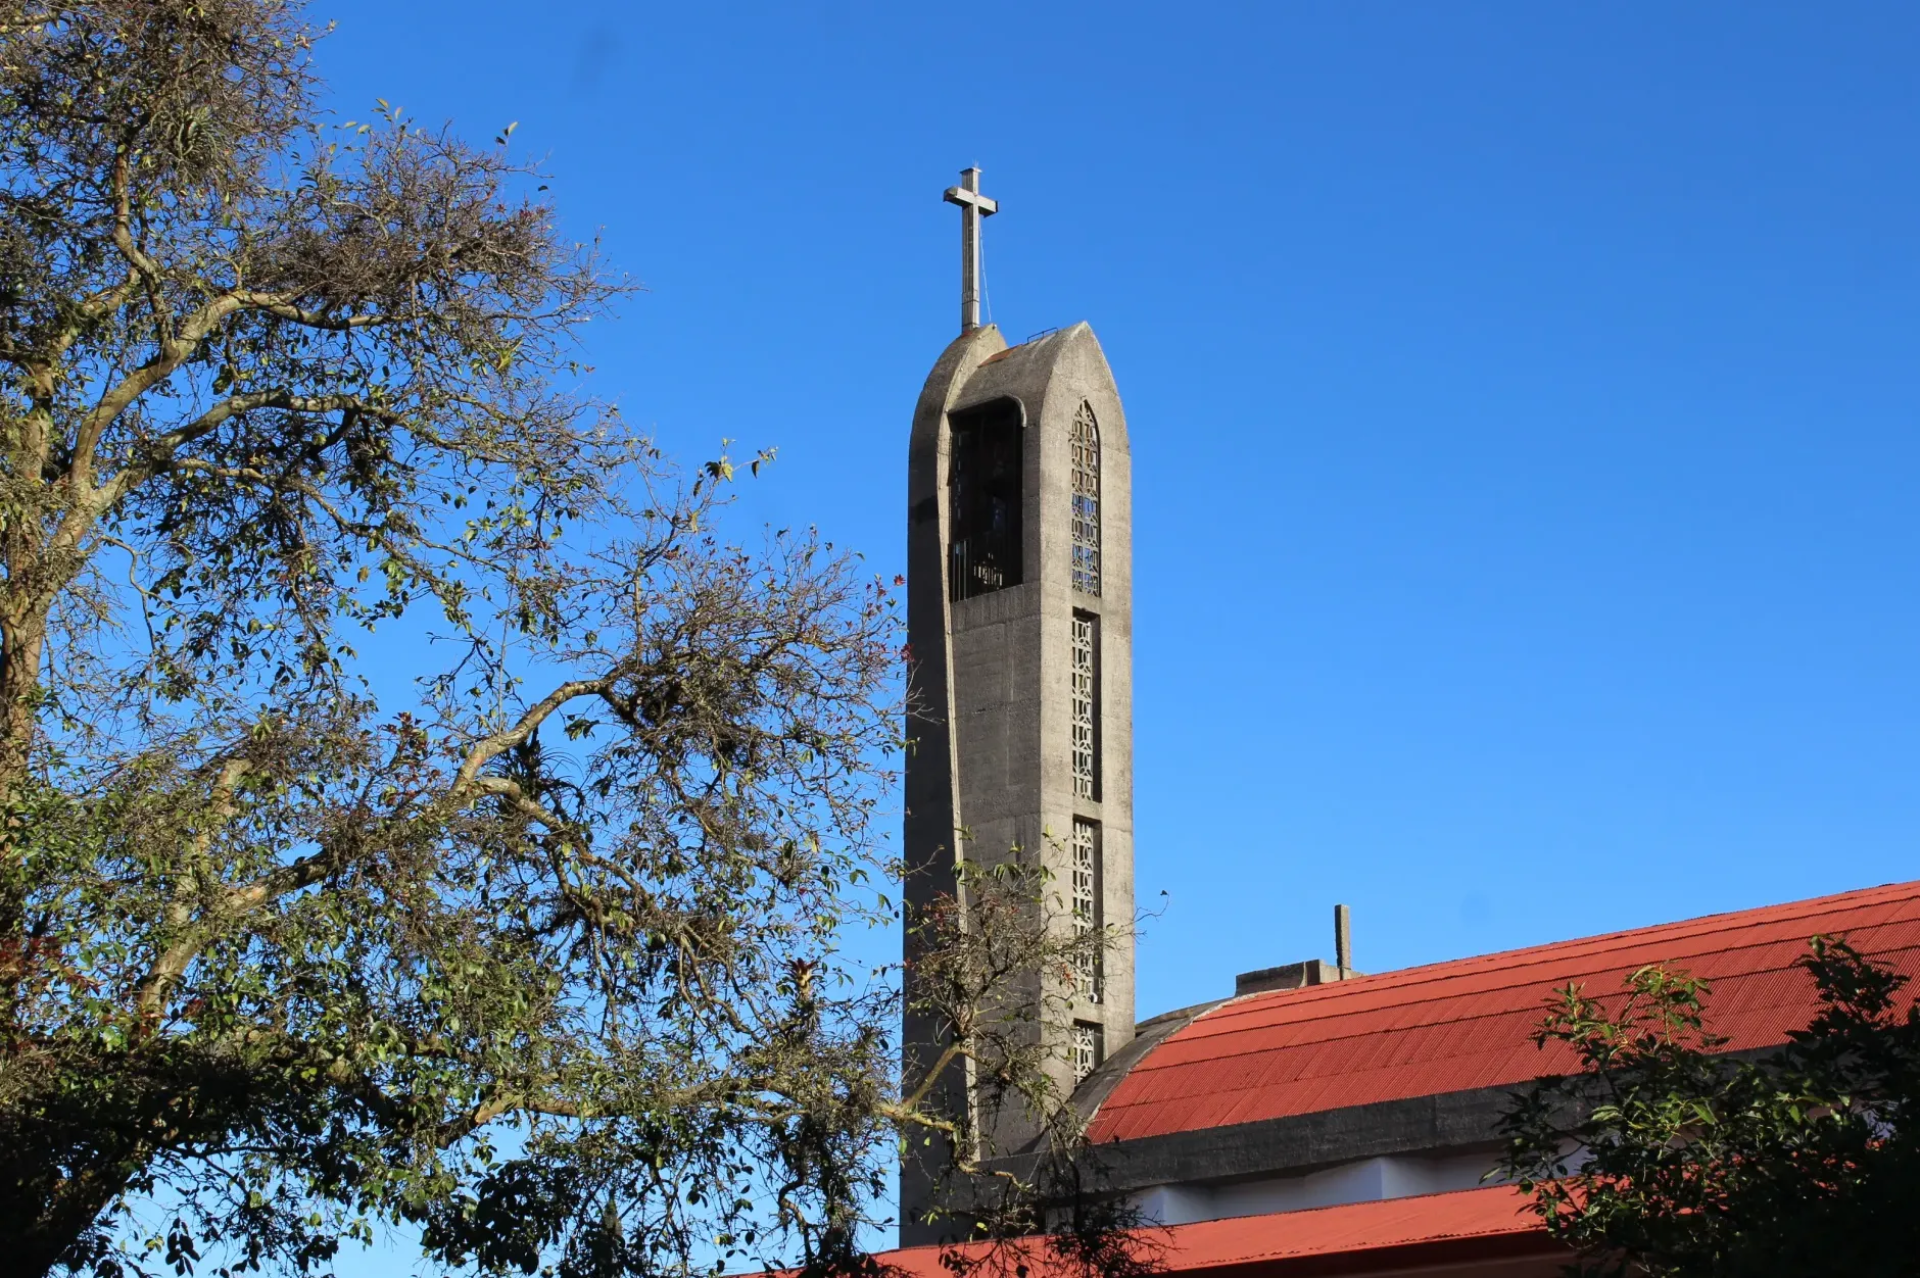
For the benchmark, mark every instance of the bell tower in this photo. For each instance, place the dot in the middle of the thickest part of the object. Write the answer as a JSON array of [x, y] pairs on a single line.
[[1020, 621]]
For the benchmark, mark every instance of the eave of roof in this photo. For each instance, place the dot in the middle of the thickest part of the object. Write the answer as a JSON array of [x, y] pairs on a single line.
[[1467, 1225], [1467, 1024]]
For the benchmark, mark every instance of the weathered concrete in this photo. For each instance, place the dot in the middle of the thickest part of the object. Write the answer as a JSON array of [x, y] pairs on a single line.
[[1290, 976], [973, 208], [989, 765], [1448, 1122], [1431, 1126]]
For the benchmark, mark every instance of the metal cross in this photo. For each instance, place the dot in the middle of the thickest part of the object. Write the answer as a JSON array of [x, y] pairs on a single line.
[[973, 207]]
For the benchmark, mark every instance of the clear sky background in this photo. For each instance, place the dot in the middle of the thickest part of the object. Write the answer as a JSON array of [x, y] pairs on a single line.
[[1523, 400]]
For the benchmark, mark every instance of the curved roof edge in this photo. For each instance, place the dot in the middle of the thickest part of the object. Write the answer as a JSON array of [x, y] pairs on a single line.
[[1465, 1025]]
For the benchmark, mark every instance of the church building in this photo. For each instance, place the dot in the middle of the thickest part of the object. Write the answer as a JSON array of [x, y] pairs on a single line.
[[1311, 1120]]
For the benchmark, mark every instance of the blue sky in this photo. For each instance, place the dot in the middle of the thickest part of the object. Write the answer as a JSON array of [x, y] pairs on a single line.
[[1523, 400]]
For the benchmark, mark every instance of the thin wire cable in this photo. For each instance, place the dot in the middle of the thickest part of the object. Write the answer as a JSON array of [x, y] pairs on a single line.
[[980, 254]]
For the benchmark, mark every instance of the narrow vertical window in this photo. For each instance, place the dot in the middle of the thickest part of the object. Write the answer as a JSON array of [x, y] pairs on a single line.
[[983, 479], [1085, 708], [1086, 909], [1086, 501], [1086, 1049]]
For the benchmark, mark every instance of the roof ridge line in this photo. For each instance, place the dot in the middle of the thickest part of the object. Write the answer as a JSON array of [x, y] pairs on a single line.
[[1334, 1012], [1426, 973]]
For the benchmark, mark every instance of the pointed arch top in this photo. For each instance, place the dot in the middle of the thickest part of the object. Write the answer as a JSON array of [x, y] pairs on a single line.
[[1084, 441]]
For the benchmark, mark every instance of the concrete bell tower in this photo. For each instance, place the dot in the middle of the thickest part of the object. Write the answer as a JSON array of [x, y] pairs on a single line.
[[1020, 619]]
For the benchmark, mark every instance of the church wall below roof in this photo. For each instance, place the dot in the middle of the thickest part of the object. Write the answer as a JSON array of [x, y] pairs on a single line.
[[1364, 1180]]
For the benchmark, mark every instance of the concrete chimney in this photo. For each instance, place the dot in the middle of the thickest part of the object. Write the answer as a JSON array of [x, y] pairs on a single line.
[[1295, 976]]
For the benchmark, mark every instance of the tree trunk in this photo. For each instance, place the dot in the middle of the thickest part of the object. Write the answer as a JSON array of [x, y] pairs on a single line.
[[20, 649], [40, 1234], [21, 646]]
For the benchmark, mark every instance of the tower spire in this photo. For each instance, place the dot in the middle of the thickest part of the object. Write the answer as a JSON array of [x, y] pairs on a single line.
[[974, 207], [1020, 617]]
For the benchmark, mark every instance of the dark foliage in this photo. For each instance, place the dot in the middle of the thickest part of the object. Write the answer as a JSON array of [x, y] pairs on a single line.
[[545, 961], [1665, 1155]]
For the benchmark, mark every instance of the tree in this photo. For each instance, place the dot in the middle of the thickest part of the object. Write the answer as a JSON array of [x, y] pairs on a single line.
[[540, 951], [1668, 1156], [974, 952]]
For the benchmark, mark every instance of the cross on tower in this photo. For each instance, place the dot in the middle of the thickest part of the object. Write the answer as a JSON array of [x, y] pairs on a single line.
[[973, 207]]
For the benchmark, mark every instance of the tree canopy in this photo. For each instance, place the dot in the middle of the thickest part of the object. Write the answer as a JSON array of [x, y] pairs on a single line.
[[539, 951], [1669, 1156]]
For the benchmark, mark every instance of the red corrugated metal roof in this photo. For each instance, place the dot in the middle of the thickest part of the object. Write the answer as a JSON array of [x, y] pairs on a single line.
[[1465, 1225], [1466, 1024]]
